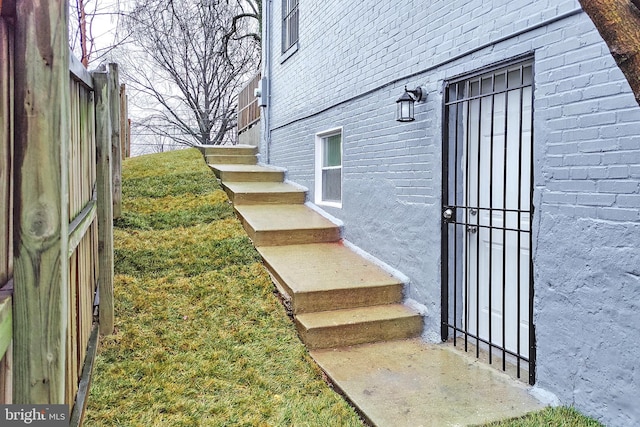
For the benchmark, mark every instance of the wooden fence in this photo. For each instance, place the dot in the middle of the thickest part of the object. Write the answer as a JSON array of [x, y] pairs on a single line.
[[60, 152], [83, 230], [248, 108], [6, 200]]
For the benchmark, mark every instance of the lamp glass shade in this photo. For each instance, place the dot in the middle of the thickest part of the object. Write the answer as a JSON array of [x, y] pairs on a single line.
[[405, 108]]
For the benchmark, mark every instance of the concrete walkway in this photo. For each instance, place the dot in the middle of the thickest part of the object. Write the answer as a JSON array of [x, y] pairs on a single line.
[[412, 383]]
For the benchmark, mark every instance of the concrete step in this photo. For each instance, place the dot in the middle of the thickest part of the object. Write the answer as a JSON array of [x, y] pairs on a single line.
[[243, 193], [340, 328], [246, 173], [280, 224], [413, 383], [230, 150], [329, 276], [231, 159]]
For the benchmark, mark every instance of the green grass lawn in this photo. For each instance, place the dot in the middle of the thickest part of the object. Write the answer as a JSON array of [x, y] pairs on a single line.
[[554, 417], [201, 340]]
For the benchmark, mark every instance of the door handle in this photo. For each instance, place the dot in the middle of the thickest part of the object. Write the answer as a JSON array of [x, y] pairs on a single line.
[[448, 213]]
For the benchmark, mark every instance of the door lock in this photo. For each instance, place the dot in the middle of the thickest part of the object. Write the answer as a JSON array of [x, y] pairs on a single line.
[[472, 229]]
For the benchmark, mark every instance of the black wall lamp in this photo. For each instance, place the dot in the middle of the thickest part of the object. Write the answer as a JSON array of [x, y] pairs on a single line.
[[405, 104]]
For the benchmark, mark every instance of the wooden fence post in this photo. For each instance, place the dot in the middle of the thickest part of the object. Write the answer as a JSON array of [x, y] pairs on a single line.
[[7, 10], [124, 121], [6, 147], [128, 135], [41, 219], [104, 156], [116, 157]]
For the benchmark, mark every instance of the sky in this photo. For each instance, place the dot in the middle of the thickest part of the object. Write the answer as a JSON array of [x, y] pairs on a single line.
[[103, 24], [102, 29]]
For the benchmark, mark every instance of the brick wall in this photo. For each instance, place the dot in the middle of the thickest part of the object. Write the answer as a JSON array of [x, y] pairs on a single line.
[[352, 64], [370, 43], [590, 125], [587, 279]]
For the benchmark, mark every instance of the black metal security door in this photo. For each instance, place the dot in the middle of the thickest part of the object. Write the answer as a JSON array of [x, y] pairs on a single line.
[[487, 282]]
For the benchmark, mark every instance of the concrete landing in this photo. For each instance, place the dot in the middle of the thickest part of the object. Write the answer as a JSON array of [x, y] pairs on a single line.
[[412, 383]]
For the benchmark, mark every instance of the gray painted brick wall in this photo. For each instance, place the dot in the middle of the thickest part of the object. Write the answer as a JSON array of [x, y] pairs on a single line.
[[348, 71]]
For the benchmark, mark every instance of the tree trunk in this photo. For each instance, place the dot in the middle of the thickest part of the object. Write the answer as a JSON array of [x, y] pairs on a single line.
[[618, 22], [83, 34]]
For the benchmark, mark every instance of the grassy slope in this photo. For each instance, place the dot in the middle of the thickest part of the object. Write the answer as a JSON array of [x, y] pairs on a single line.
[[201, 339]]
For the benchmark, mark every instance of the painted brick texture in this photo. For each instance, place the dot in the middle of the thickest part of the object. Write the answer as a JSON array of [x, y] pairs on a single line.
[[591, 126], [352, 63], [368, 43]]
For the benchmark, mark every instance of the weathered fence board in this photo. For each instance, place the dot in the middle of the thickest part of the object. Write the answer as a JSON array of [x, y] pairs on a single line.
[[80, 224], [6, 322], [51, 204], [83, 232], [6, 202], [116, 157], [104, 157], [6, 152], [6, 343], [72, 348], [41, 223], [125, 137]]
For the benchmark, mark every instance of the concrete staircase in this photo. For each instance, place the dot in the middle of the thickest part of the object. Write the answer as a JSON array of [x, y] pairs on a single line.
[[337, 297], [348, 311]]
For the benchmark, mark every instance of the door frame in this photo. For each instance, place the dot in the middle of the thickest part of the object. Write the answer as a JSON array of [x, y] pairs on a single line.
[[453, 225]]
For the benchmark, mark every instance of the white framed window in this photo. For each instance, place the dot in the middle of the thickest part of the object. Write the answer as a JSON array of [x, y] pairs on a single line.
[[328, 176], [289, 24]]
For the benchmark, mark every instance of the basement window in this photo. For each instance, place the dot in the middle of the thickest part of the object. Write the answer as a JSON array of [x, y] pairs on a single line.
[[328, 176]]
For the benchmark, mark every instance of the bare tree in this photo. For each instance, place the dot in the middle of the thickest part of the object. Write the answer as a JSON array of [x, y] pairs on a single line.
[[247, 22], [92, 25], [81, 40], [187, 85], [618, 22]]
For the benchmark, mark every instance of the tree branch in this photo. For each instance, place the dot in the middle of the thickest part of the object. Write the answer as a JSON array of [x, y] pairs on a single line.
[[190, 85]]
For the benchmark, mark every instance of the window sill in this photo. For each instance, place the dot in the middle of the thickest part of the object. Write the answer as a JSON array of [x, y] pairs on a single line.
[[289, 52], [329, 204]]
